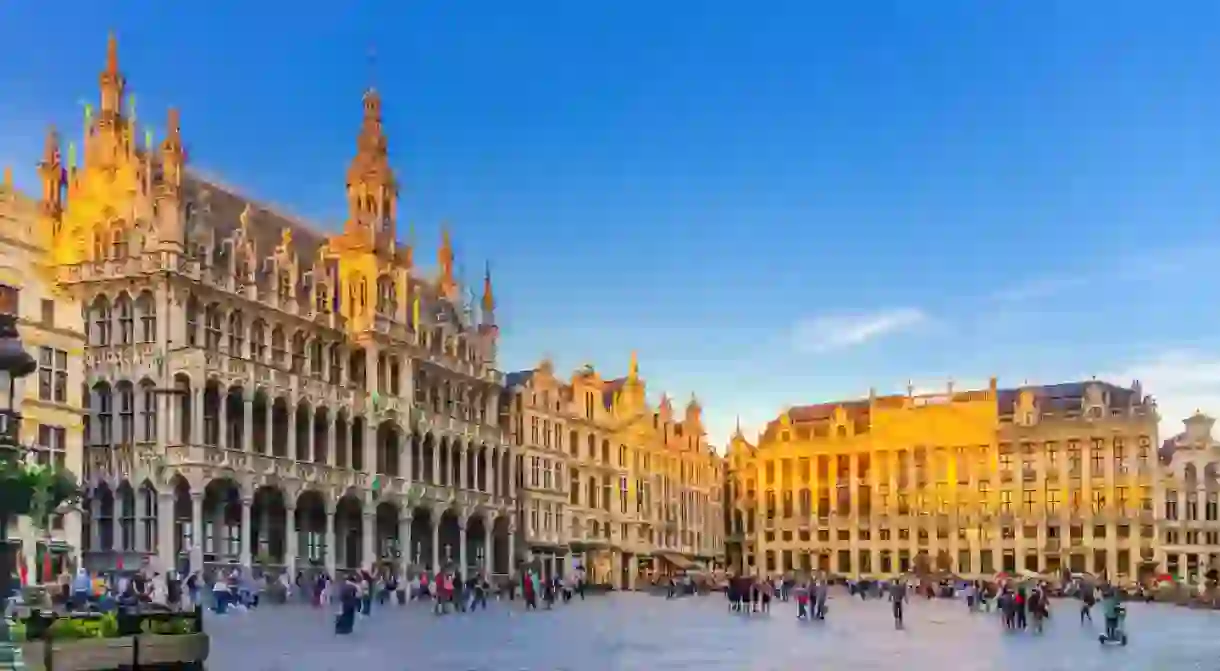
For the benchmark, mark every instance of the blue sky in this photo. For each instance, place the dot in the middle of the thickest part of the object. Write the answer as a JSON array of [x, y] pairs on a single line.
[[773, 203]]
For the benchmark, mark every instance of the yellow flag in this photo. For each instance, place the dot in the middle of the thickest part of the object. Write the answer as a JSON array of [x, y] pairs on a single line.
[[415, 313]]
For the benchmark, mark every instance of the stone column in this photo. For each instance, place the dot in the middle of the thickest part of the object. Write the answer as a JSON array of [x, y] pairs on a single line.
[[462, 545], [291, 421], [197, 531], [512, 546], [247, 559], [512, 475], [463, 476], [370, 445], [197, 416], [331, 437], [116, 525], [436, 544], [368, 536], [488, 544], [291, 540], [436, 463], [268, 430], [222, 417], [165, 531], [330, 539], [247, 422], [404, 543]]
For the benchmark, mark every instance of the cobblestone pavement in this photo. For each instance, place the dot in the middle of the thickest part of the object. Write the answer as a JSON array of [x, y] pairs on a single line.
[[635, 632]]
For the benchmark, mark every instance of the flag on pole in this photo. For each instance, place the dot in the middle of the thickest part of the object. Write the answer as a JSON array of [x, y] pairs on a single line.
[[415, 313], [148, 139]]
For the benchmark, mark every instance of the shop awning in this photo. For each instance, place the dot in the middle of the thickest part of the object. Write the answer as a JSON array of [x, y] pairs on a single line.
[[679, 561]]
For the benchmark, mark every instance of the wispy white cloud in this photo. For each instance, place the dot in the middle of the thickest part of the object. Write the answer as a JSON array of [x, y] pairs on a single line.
[[1141, 266], [831, 332], [1181, 381]]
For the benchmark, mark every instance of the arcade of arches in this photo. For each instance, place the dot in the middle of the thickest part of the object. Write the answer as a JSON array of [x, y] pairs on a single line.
[[225, 522]]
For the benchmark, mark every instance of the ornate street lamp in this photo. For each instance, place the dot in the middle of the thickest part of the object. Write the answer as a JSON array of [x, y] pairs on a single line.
[[25, 488]]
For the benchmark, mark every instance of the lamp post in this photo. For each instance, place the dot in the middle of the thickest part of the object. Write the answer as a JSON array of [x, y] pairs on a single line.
[[15, 363]]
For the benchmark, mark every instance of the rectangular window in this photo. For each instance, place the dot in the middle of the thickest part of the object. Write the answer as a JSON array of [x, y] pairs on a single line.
[[52, 446], [48, 313], [52, 375], [10, 300]]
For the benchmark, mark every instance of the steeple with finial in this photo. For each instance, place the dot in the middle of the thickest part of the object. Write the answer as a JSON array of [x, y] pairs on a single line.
[[112, 85], [446, 281], [171, 235], [51, 173], [372, 191], [489, 300]]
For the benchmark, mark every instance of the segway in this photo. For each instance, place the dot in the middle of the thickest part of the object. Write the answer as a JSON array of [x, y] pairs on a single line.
[[1120, 632]]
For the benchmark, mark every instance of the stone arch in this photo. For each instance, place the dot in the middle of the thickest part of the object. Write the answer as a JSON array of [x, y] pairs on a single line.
[[235, 417], [98, 321], [357, 442], [501, 537], [303, 429], [443, 457], [213, 396], [222, 518], [310, 514], [387, 544], [343, 435], [477, 527], [454, 476], [184, 398], [420, 552], [449, 536], [349, 530], [124, 309], [321, 433], [268, 519], [427, 450], [260, 406], [281, 426], [388, 447]]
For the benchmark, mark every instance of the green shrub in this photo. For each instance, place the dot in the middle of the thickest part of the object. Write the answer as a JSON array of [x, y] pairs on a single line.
[[177, 626]]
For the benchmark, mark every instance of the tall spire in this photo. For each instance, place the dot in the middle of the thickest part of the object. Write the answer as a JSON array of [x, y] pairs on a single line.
[[371, 187], [633, 368], [111, 83], [444, 263], [51, 172], [489, 300], [173, 156]]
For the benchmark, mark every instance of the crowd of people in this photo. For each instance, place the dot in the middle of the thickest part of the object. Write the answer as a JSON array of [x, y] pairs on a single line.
[[1021, 604]]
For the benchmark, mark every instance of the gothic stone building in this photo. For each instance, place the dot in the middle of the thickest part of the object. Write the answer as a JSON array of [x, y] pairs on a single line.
[[260, 392]]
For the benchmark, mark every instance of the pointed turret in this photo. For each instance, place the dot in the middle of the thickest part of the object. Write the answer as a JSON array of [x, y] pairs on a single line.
[[171, 231], [51, 174], [489, 299], [372, 192], [112, 85], [173, 155], [633, 368], [446, 281]]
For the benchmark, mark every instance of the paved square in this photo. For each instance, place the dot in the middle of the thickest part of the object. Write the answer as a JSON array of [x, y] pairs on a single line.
[[635, 632]]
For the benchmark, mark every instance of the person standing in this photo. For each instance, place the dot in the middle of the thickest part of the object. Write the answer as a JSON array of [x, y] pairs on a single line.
[[898, 595]]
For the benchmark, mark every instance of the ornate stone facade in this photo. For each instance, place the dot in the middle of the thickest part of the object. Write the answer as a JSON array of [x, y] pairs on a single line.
[[261, 392], [611, 483], [1189, 505], [50, 400], [1036, 478]]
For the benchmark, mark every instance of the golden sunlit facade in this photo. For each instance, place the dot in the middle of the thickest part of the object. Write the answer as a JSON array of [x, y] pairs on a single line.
[[49, 400], [977, 482], [1189, 500], [259, 391], [612, 484]]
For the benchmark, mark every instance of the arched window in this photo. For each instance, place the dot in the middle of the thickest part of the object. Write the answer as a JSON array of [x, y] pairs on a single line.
[[127, 413], [148, 412], [126, 319], [258, 340], [213, 318], [146, 305], [101, 321], [277, 346], [237, 334], [192, 321]]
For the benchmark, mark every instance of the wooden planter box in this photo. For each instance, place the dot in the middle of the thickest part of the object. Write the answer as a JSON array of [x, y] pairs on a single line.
[[108, 654]]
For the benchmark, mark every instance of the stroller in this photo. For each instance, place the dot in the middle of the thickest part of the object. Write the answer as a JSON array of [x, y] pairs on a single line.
[[1119, 633]]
